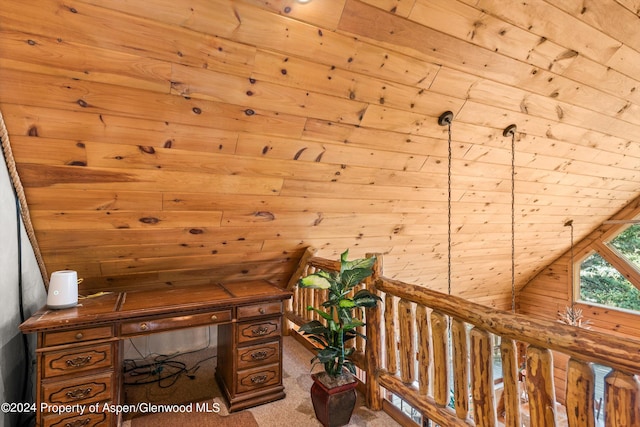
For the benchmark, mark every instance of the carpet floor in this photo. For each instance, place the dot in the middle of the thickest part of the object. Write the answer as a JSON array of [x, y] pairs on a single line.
[[196, 384]]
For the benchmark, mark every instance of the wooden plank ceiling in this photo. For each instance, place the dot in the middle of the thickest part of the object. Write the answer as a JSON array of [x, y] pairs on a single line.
[[165, 142]]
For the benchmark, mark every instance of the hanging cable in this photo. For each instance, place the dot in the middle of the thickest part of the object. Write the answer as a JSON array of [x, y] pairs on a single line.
[[511, 131], [569, 224], [446, 119]]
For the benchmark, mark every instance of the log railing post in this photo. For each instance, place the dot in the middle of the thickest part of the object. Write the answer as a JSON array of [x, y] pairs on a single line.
[[511, 391], [460, 343], [390, 334], [540, 388], [424, 357], [407, 338], [295, 301], [440, 345], [360, 315], [622, 400], [373, 345], [484, 408], [580, 392]]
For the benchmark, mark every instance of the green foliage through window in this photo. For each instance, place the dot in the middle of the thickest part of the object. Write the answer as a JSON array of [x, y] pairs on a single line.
[[627, 244], [601, 283]]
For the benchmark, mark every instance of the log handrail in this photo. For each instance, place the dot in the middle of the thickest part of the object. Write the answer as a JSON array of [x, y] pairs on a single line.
[[591, 346]]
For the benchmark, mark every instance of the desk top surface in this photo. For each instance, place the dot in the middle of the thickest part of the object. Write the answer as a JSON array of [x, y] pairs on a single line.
[[113, 307]]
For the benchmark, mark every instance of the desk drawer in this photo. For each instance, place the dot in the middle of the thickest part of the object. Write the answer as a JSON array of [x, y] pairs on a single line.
[[80, 390], [77, 335], [99, 419], [250, 331], [263, 309], [259, 377], [170, 323], [78, 359], [260, 354]]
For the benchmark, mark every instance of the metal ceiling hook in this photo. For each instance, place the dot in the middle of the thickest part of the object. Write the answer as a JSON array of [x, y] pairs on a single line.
[[445, 118], [510, 130]]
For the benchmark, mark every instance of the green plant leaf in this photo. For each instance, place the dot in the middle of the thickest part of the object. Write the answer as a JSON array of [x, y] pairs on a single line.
[[319, 339], [364, 263], [345, 315], [352, 277], [352, 325], [346, 303], [327, 354], [364, 298], [324, 314], [315, 281], [350, 366], [349, 337], [313, 327]]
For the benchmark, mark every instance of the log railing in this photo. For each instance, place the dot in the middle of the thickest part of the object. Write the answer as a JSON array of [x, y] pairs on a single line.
[[436, 351]]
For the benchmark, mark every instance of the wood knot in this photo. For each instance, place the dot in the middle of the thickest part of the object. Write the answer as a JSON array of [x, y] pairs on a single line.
[[149, 220], [146, 149], [267, 216]]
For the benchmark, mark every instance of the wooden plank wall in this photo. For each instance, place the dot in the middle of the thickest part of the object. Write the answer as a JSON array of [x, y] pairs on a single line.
[[165, 142]]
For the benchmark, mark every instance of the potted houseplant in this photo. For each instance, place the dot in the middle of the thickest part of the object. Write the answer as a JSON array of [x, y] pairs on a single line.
[[333, 392]]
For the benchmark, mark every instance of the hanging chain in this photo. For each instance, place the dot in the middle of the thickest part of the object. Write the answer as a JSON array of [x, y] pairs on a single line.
[[513, 222], [446, 119], [449, 213], [511, 130], [570, 223]]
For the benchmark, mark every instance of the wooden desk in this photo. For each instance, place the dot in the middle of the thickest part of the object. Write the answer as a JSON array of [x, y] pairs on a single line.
[[79, 349]]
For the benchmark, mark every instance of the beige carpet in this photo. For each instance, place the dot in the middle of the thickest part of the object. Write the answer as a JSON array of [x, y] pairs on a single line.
[[195, 419], [198, 385]]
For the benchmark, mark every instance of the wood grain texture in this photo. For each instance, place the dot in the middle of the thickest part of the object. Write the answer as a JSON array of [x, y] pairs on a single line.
[[460, 366], [205, 130], [407, 349], [542, 398], [622, 399], [441, 355], [482, 389], [391, 334], [580, 405], [511, 376]]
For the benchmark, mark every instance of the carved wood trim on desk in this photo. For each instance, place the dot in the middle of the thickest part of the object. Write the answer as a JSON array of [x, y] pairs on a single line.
[[79, 353]]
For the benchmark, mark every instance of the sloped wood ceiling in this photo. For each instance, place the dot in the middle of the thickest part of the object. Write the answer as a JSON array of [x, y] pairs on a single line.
[[170, 142]]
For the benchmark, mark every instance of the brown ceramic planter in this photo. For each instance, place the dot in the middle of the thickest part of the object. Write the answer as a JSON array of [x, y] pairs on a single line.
[[333, 406]]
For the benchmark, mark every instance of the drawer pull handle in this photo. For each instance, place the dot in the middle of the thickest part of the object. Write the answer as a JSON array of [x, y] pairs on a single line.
[[78, 423], [214, 317], [262, 311], [79, 335], [259, 355], [259, 331], [258, 379], [144, 326], [79, 393], [78, 362]]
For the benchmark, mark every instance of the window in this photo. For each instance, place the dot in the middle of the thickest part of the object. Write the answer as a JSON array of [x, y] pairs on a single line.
[[603, 273], [627, 245]]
